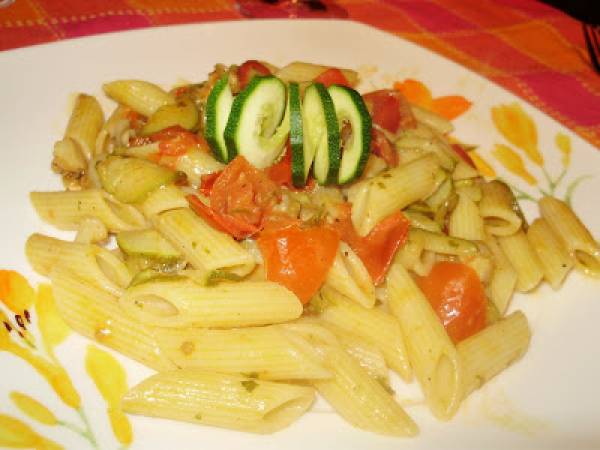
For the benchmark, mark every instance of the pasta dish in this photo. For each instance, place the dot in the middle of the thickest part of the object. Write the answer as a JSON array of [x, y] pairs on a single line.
[[271, 234]]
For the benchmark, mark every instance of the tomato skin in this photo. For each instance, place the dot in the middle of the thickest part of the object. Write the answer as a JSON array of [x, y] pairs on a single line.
[[298, 258], [207, 181], [177, 141], [390, 110], [231, 225], [381, 146], [249, 70], [332, 76], [281, 172], [377, 249], [457, 297], [462, 153]]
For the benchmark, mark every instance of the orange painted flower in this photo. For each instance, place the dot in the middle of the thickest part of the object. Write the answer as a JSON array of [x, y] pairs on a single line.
[[513, 163], [519, 129], [449, 106], [15, 292]]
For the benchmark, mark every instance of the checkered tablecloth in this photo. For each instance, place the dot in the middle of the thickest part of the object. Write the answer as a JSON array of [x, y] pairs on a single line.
[[532, 49]]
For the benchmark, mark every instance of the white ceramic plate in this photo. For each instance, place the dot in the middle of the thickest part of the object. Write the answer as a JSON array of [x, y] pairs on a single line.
[[550, 399]]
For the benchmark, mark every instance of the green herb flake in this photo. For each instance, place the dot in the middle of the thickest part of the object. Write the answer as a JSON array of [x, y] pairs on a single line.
[[249, 385], [194, 244], [453, 243], [216, 276], [386, 175], [381, 185], [250, 374], [198, 416]]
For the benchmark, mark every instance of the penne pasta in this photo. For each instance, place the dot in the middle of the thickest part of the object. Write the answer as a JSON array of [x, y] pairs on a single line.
[[372, 325], [395, 189], [523, 259], [179, 302], [95, 313], [203, 246], [465, 221], [85, 123], [432, 354], [576, 238], [433, 120], [66, 210], [266, 352], [163, 199], [504, 277], [496, 208], [226, 401], [90, 263], [553, 256], [349, 276], [493, 349], [441, 243], [141, 96]]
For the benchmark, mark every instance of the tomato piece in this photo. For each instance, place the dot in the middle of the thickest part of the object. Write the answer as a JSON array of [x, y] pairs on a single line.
[[458, 298], [207, 182], [390, 110], [244, 192], [281, 172], [136, 120], [332, 76], [222, 222], [299, 258], [249, 70], [381, 146], [176, 141], [462, 153], [377, 249]]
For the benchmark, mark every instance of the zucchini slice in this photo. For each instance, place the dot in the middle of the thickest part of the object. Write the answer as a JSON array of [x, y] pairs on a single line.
[[130, 179], [350, 108], [148, 244], [321, 134], [300, 167], [218, 107], [259, 124]]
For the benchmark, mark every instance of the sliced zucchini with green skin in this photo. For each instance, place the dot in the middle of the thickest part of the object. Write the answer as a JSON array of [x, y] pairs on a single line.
[[130, 179], [148, 244], [258, 124], [218, 107], [321, 134], [300, 169], [183, 113], [147, 275], [350, 108]]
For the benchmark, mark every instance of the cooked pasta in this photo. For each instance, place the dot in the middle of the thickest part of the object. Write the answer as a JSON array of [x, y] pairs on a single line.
[[260, 239]]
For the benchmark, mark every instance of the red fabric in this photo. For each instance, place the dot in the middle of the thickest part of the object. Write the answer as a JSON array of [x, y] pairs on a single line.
[[532, 49]]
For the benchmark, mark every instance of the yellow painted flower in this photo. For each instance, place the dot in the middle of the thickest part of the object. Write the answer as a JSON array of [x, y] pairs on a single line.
[[482, 165], [513, 163], [519, 129], [563, 142], [111, 380], [5, 341], [15, 292], [32, 408], [16, 434], [52, 327]]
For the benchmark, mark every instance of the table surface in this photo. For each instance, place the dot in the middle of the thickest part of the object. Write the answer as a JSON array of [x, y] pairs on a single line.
[[532, 49]]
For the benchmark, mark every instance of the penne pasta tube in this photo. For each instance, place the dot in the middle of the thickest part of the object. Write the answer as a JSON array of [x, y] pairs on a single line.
[[91, 263], [395, 189], [496, 208], [91, 230], [493, 349], [372, 325], [576, 238], [504, 277], [360, 399], [95, 313], [226, 401], [141, 96], [553, 256], [163, 199], [421, 221], [203, 246], [265, 352], [67, 209], [441, 243], [85, 123], [300, 72], [179, 302], [432, 354], [523, 259], [432, 120], [465, 222], [349, 276]]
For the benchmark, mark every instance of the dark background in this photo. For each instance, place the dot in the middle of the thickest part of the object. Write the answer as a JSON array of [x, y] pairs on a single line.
[[584, 10]]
